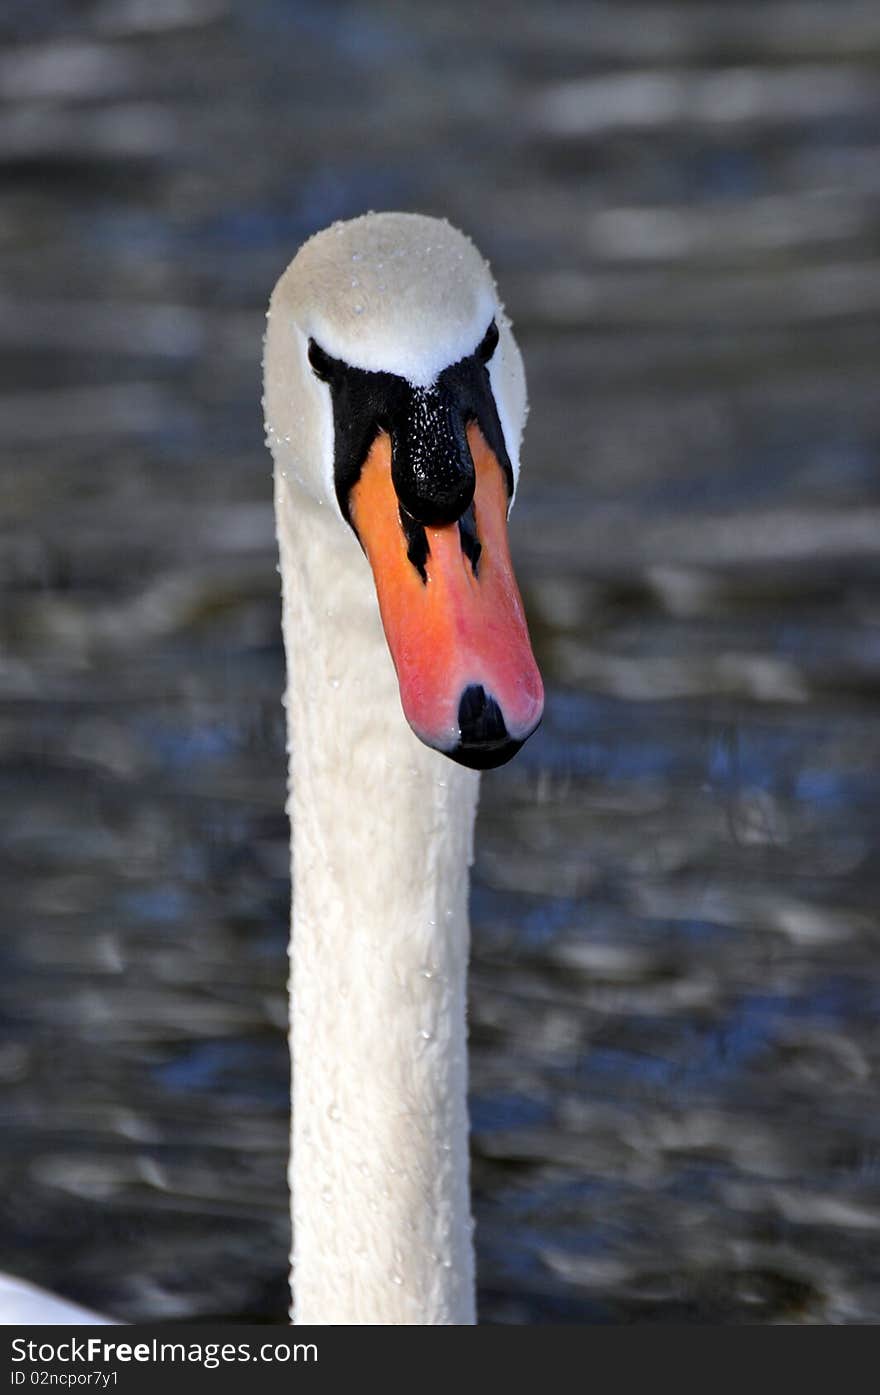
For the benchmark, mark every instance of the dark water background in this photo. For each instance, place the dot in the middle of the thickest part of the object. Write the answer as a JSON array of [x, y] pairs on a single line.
[[675, 987]]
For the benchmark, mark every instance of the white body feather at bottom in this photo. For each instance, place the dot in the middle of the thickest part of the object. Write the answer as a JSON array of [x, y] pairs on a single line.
[[25, 1304]]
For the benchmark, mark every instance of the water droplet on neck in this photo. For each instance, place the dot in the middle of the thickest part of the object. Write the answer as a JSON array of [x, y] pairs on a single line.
[[334, 1112]]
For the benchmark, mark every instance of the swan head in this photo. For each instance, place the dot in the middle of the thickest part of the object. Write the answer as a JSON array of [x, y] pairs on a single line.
[[395, 395]]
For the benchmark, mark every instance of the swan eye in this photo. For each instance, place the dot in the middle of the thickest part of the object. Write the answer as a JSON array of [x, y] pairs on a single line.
[[322, 363], [488, 344]]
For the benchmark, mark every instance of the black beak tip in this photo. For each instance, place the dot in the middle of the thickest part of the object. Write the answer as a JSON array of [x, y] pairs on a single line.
[[484, 757], [484, 741], [443, 505]]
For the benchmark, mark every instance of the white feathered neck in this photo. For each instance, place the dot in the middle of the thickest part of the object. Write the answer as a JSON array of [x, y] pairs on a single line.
[[381, 825]]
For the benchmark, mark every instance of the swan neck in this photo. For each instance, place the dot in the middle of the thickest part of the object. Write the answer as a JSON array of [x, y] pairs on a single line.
[[381, 843]]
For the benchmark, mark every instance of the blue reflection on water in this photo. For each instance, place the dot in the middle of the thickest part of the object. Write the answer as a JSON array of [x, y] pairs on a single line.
[[244, 1070]]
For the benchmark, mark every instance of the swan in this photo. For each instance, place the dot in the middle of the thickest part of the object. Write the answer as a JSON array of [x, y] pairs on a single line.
[[394, 401]]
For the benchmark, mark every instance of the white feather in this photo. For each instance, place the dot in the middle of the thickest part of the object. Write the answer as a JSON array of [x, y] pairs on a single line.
[[21, 1302]]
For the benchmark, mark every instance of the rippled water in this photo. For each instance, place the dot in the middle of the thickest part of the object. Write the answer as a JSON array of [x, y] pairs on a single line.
[[675, 985]]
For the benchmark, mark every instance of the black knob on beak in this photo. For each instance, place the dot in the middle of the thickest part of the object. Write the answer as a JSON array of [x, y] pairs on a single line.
[[431, 463]]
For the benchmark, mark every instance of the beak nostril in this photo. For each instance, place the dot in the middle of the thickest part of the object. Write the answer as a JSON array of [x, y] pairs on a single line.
[[470, 543], [417, 548]]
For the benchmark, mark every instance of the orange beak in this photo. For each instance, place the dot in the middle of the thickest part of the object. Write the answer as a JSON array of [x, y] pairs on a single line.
[[452, 613]]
